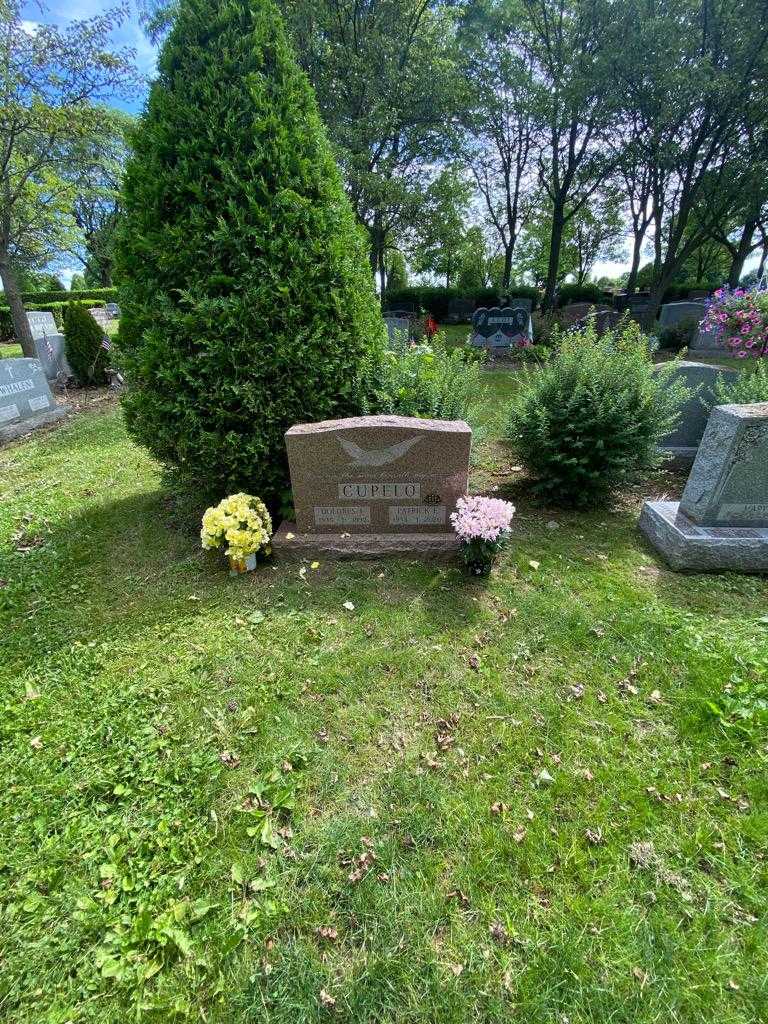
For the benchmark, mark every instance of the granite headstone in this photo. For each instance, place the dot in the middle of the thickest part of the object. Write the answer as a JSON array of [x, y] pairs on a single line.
[[673, 312], [683, 442], [26, 401], [41, 324], [501, 328], [460, 310], [100, 315], [49, 344], [721, 522], [375, 485], [113, 309], [398, 329]]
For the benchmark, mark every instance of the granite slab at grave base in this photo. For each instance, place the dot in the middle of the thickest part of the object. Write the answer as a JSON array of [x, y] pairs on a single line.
[[15, 430], [340, 546], [687, 547], [678, 457]]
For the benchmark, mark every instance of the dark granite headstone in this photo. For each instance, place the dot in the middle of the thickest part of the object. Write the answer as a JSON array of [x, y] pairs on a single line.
[[673, 312], [502, 328]]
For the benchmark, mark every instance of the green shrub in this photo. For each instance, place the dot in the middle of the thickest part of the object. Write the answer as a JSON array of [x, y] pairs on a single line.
[[248, 302], [679, 335], [749, 387], [590, 418], [568, 293], [429, 381], [83, 338]]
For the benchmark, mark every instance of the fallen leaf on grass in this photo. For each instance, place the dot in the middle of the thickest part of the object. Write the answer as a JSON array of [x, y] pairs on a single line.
[[461, 898], [229, 758], [594, 836], [327, 932], [474, 662], [654, 697], [544, 778], [534, 564], [349, 606], [36, 742], [519, 834], [640, 975], [456, 969], [315, 565], [499, 933], [326, 999], [499, 808]]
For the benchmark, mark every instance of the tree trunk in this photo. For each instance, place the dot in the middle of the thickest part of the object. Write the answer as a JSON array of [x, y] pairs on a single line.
[[740, 253], [20, 323], [507, 274], [555, 245], [637, 246]]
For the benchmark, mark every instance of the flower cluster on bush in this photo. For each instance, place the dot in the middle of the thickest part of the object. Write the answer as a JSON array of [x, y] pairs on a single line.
[[483, 527], [741, 316], [240, 521]]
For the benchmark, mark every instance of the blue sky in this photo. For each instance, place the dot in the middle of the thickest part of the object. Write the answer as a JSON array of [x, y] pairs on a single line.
[[130, 33]]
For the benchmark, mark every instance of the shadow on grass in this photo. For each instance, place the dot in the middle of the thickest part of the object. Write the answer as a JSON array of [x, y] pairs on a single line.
[[122, 567]]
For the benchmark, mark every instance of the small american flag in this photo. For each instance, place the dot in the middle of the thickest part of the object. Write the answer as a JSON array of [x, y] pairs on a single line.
[[106, 343]]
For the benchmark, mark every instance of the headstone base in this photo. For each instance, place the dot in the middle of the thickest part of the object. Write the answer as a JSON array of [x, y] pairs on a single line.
[[15, 430], [340, 546], [679, 457], [687, 547]]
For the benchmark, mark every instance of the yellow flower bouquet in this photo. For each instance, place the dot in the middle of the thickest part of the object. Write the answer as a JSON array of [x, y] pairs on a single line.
[[242, 523]]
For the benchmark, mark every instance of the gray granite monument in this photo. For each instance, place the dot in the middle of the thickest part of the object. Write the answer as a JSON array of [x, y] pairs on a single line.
[[26, 401], [49, 345], [100, 315], [721, 521], [673, 312], [371, 486], [682, 443]]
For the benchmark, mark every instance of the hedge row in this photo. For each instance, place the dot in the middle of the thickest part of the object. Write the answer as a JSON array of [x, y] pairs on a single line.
[[98, 295], [437, 301], [57, 308]]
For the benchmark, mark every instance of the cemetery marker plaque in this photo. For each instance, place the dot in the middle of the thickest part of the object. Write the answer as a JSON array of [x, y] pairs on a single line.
[[374, 485]]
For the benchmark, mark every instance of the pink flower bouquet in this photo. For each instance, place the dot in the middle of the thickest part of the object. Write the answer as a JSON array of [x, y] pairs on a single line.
[[483, 527], [740, 317]]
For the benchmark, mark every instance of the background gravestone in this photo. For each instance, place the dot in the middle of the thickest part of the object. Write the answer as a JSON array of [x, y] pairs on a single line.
[[684, 440], [41, 324], [374, 485], [721, 522], [100, 315], [673, 312], [398, 329], [26, 401], [460, 311], [708, 342], [501, 328], [113, 309], [49, 344]]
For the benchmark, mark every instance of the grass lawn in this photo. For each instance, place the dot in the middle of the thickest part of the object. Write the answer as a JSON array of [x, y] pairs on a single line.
[[236, 800], [10, 350]]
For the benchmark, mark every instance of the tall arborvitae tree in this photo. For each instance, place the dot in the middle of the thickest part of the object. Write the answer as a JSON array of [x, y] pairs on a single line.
[[247, 299]]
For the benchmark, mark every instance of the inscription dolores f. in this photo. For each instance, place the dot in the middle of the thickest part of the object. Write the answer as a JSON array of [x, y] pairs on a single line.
[[378, 474]]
